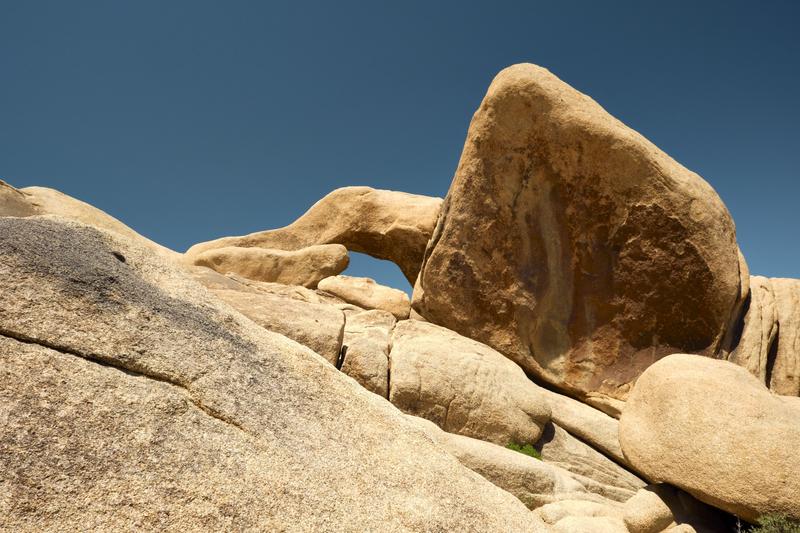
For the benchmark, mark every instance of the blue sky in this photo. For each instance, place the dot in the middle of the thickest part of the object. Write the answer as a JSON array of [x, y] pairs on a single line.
[[193, 120]]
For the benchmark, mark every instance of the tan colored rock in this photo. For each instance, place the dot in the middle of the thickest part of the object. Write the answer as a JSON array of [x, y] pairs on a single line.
[[14, 203], [586, 423], [132, 399], [784, 376], [534, 482], [760, 329], [463, 386], [385, 224], [30, 201], [647, 512], [598, 473], [661, 507], [574, 246], [306, 266], [313, 324], [710, 428], [365, 348], [366, 293], [577, 516]]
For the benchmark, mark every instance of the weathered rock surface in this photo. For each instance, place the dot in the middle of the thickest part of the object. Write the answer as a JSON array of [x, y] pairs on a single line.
[[573, 245], [367, 336], [463, 386], [306, 266], [598, 473], [385, 224], [534, 482], [578, 516], [30, 201], [133, 399], [294, 313], [710, 428], [769, 346], [366, 293], [659, 507], [588, 424]]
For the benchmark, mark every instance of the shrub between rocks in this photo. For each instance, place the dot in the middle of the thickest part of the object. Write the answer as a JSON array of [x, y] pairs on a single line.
[[527, 449]]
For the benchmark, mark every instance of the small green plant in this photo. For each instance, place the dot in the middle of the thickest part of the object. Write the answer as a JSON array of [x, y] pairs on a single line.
[[775, 523], [527, 449]]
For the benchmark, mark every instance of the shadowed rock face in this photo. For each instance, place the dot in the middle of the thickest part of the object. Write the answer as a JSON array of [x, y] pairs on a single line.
[[574, 246], [385, 224]]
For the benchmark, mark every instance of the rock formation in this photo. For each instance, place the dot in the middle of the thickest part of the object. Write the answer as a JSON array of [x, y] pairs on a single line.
[[365, 293], [710, 428], [133, 399], [769, 346], [574, 246], [247, 386], [306, 266], [384, 224]]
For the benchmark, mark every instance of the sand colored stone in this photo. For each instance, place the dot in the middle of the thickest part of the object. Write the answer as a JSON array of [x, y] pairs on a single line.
[[574, 246], [712, 429], [366, 293], [133, 399], [385, 224], [306, 266]]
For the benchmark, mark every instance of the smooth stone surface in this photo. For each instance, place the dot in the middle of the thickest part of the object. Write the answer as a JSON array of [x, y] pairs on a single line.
[[463, 386], [390, 225], [306, 266], [367, 338], [571, 244], [366, 293], [712, 429]]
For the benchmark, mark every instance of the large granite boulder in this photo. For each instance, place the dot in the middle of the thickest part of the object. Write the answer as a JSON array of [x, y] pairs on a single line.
[[133, 399], [306, 266], [712, 429], [769, 345], [574, 246], [463, 386], [385, 224], [365, 349]]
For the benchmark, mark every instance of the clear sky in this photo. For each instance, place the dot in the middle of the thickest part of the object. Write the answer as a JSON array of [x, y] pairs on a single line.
[[190, 120]]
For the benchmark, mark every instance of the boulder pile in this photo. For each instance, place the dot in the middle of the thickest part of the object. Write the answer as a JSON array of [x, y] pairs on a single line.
[[584, 350]]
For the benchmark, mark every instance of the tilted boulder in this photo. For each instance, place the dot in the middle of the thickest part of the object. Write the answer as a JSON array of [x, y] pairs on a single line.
[[659, 507], [367, 293], [385, 224], [306, 266], [463, 386], [574, 246], [769, 346], [712, 429], [133, 399]]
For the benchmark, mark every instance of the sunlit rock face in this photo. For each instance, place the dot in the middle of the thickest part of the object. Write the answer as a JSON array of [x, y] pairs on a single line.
[[574, 246]]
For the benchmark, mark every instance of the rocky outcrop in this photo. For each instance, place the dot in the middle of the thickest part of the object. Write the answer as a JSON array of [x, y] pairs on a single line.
[[769, 346], [30, 201], [710, 428], [574, 246], [365, 349], [366, 293], [534, 482], [296, 315], [659, 507], [131, 398], [385, 224], [598, 473], [463, 386], [306, 266]]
